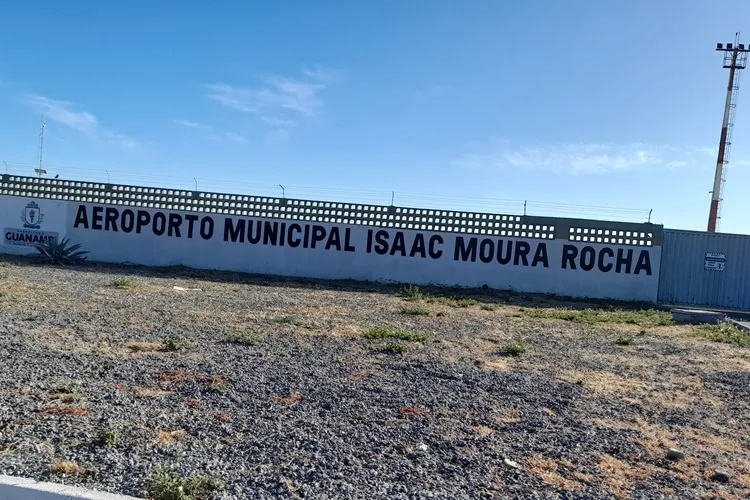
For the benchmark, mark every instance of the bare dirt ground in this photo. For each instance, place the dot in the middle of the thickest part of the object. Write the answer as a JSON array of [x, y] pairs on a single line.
[[253, 387]]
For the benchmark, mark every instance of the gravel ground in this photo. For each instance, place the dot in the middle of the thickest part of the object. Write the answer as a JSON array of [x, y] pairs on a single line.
[[309, 407]]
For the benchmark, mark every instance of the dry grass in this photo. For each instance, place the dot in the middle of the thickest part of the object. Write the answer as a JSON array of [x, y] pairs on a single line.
[[290, 399], [547, 470], [59, 410], [144, 346], [65, 467], [169, 437], [413, 411], [619, 477], [147, 392]]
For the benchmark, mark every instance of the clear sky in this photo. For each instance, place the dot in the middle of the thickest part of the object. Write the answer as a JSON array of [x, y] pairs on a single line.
[[447, 103]]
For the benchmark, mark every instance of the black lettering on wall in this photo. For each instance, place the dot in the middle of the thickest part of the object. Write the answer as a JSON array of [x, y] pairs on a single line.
[[207, 228], [192, 219], [82, 218], [540, 255], [282, 234], [175, 221], [623, 260], [508, 245], [128, 220], [605, 267], [418, 247], [294, 242], [270, 233], [144, 218], [381, 242], [254, 238], [486, 250], [97, 218], [160, 223], [569, 254], [399, 244], [435, 253], [588, 258], [318, 235], [522, 253], [110, 219], [348, 247], [644, 263], [306, 240], [334, 239], [234, 233], [464, 251]]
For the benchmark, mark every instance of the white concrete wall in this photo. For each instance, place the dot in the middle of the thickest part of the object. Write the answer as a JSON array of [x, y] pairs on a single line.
[[154, 243], [19, 488]]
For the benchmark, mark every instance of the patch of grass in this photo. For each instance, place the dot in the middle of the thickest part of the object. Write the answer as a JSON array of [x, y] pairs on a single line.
[[168, 485], [4, 276], [515, 348], [393, 348], [174, 343], [125, 283], [288, 320], [414, 311], [107, 438], [412, 292], [218, 386], [642, 317], [144, 346], [64, 467], [57, 410], [146, 392], [488, 307], [291, 399], [724, 332], [66, 388], [389, 332], [167, 437], [625, 341], [242, 339]]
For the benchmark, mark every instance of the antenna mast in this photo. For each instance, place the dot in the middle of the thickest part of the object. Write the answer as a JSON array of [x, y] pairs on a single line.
[[735, 59], [41, 142]]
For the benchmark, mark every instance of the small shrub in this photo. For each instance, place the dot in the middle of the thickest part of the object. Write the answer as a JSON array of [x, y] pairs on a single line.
[[465, 303], [724, 332], [242, 339], [411, 292], [218, 386], [66, 388], [415, 311], [625, 341], [64, 467], [514, 348], [488, 307], [393, 348], [388, 332], [124, 283], [168, 485], [288, 320], [107, 438], [61, 252], [174, 343]]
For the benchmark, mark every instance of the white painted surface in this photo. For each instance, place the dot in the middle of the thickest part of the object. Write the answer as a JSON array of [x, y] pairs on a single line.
[[19, 488], [54, 213], [148, 248]]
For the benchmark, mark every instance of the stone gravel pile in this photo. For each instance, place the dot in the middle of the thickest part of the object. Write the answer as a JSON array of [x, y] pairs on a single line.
[[269, 389]]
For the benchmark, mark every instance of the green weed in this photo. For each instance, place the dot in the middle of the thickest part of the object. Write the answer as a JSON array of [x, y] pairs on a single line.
[[724, 332], [389, 332], [643, 317]]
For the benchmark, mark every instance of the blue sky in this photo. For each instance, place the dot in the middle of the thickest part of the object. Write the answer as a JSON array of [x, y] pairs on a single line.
[[447, 103]]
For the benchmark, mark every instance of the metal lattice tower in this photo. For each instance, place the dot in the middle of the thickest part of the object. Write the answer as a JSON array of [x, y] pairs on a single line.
[[735, 59]]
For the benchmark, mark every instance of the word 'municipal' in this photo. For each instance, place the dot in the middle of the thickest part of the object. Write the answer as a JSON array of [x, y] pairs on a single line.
[[283, 234]]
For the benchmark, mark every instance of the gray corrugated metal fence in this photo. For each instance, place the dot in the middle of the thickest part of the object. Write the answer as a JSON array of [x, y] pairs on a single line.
[[691, 270]]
